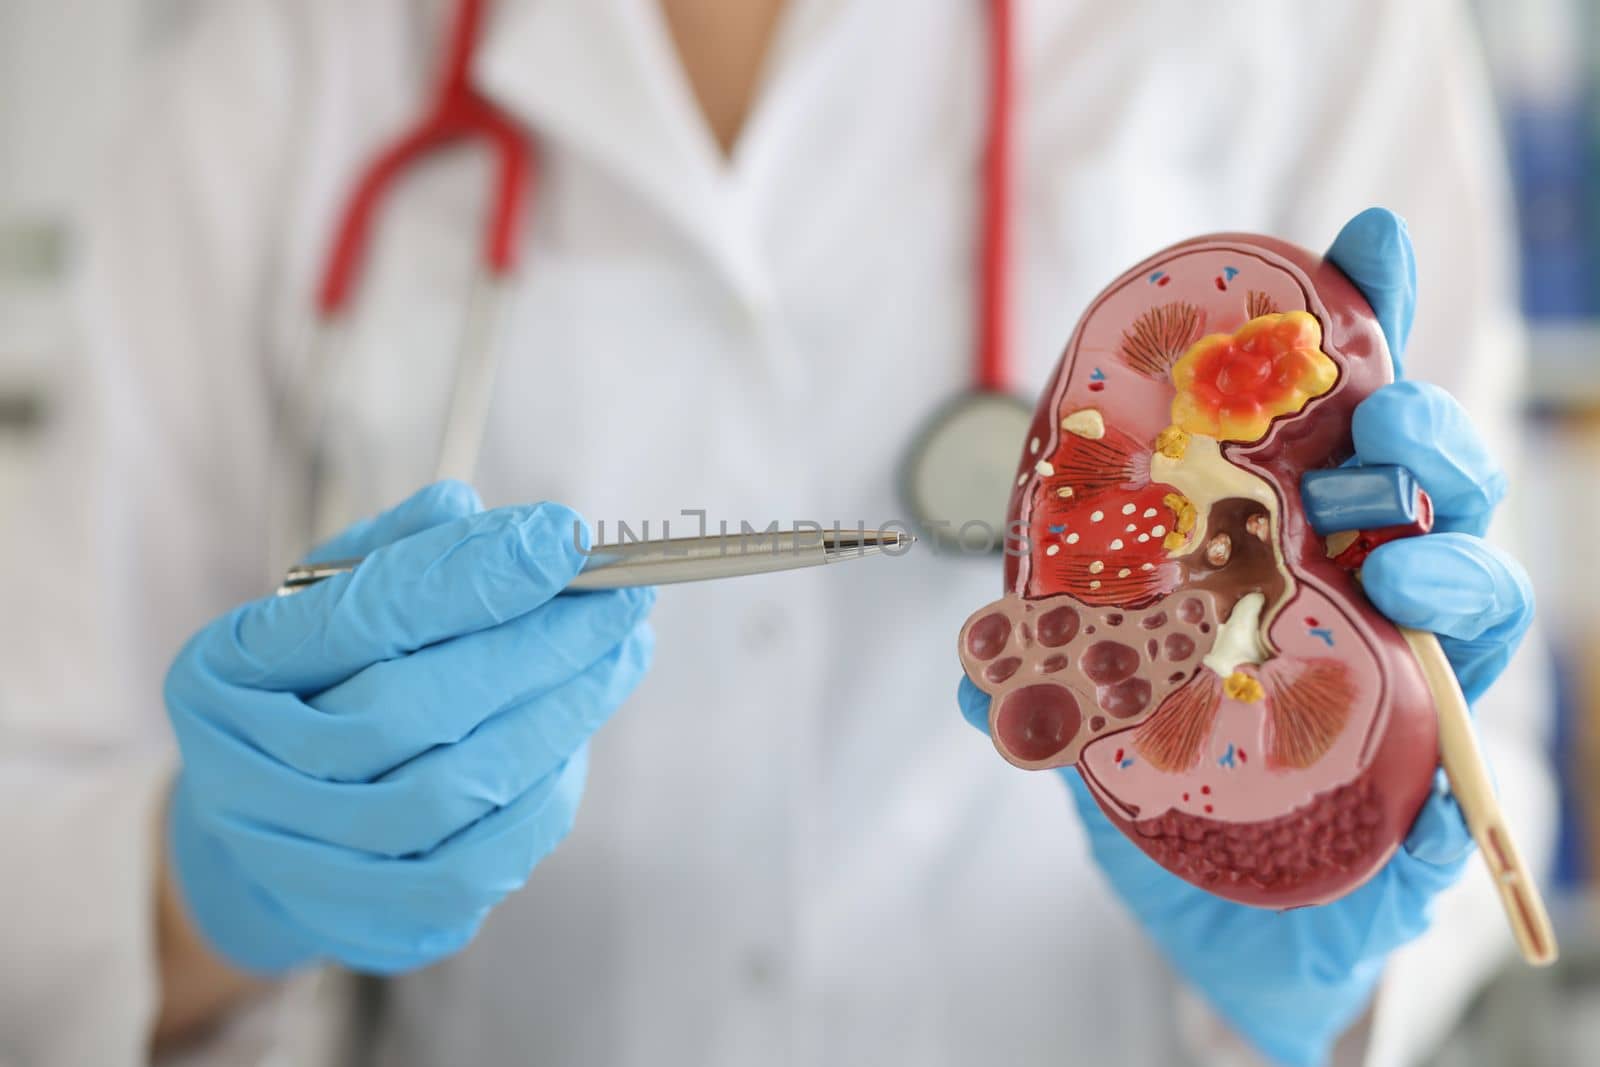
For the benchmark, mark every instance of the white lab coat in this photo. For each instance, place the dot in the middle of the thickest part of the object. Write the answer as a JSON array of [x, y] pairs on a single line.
[[791, 850]]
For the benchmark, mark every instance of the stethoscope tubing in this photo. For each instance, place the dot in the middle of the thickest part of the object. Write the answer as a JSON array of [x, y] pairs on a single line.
[[460, 114]]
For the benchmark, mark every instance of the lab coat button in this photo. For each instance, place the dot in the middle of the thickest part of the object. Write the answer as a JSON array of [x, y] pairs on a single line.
[[764, 627], [762, 969], [750, 311]]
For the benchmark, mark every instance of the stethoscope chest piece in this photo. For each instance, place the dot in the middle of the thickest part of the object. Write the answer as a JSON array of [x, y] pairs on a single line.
[[956, 481]]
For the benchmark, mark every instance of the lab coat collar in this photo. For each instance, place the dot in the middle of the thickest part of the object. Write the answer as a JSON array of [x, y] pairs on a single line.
[[600, 77]]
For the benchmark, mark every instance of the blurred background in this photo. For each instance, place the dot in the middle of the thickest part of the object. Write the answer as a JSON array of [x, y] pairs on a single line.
[[65, 63]]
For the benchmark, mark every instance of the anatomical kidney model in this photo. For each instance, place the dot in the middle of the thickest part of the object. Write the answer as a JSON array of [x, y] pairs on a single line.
[[1171, 625]]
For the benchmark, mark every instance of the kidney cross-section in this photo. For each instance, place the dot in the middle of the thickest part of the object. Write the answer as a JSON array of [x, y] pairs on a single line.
[[1171, 626]]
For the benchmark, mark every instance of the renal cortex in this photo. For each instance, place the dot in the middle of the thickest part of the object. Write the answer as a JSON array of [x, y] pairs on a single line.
[[1171, 626]]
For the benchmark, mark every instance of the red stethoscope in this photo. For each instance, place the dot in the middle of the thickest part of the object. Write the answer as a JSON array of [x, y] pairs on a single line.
[[957, 472]]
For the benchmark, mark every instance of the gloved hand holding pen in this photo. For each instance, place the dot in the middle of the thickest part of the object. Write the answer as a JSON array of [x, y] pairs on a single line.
[[371, 765], [1291, 982]]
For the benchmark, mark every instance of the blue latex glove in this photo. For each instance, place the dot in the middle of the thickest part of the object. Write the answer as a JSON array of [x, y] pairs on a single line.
[[370, 765], [1291, 982]]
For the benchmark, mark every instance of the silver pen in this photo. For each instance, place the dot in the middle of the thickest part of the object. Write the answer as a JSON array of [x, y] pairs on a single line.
[[685, 559]]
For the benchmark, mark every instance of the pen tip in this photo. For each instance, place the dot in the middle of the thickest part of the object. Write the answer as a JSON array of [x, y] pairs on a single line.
[[866, 542]]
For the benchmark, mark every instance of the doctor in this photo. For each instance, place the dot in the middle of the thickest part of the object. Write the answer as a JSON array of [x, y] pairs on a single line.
[[747, 282]]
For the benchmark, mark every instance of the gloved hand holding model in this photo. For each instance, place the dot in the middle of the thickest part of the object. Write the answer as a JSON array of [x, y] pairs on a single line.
[[369, 766], [1291, 982]]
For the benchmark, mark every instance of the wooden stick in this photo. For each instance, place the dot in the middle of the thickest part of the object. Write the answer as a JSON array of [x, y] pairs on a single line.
[[1469, 782]]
